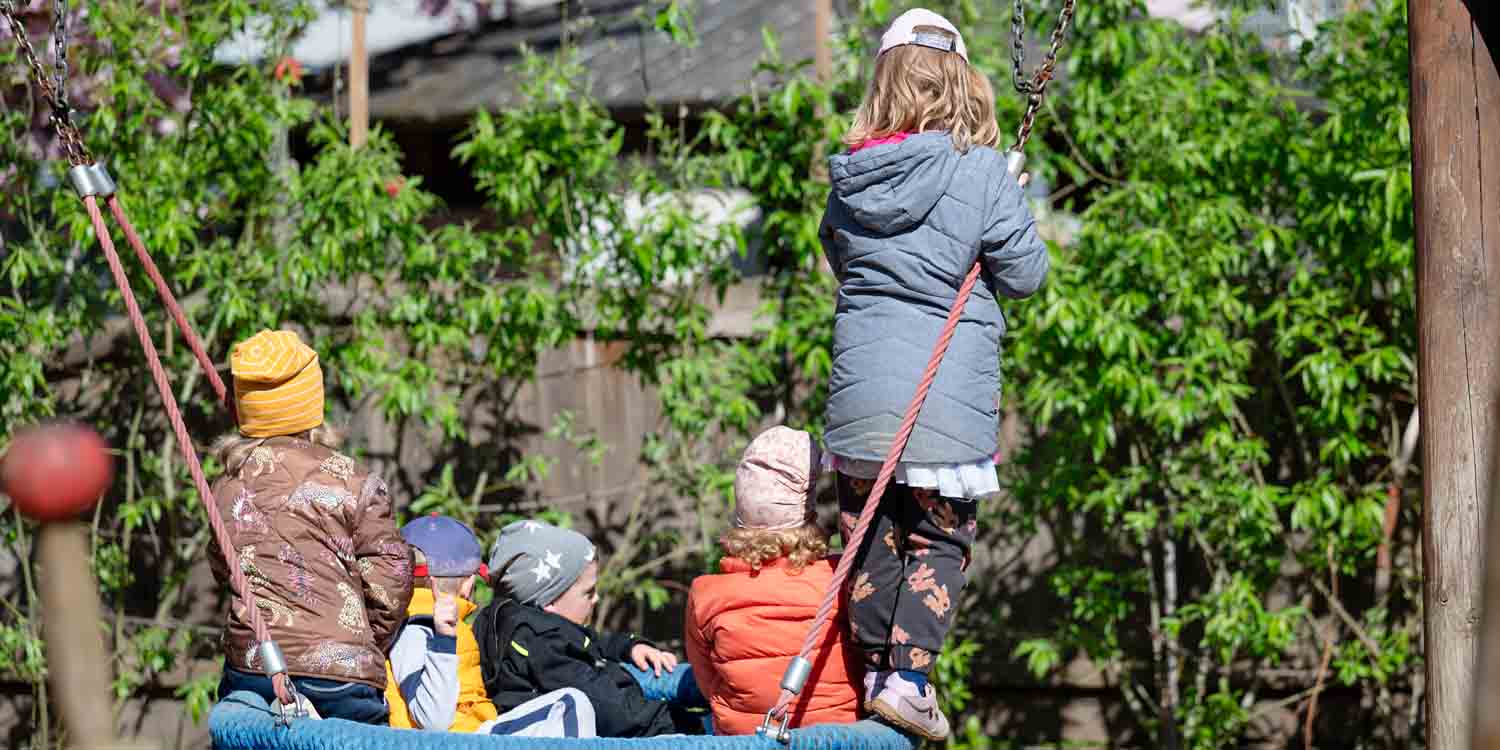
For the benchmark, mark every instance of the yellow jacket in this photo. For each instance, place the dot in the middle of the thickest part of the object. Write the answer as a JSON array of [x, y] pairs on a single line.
[[474, 706]]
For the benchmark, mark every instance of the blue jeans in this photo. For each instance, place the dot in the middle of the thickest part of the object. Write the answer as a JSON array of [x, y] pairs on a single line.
[[679, 690], [354, 701], [676, 687]]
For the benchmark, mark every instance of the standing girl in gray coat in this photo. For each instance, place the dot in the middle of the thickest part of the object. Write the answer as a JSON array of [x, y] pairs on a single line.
[[921, 195]]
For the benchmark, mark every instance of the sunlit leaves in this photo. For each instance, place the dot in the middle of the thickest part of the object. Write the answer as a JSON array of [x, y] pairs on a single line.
[[1226, 345]]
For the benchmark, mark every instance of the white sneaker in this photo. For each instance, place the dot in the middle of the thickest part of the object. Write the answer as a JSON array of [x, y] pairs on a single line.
[[904, 705]]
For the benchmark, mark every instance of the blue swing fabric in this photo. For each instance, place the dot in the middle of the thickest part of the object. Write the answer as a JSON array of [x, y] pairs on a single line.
[[243, 721]]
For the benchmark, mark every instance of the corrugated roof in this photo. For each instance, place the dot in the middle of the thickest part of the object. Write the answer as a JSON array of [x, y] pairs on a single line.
[[451, 77], [327, 40]]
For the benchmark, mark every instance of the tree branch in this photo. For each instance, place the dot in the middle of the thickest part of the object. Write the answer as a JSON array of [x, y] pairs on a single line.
[[1400, 463], [1348, 619], [1328, 640]]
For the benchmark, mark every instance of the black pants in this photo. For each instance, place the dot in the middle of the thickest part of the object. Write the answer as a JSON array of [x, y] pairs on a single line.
[[354, 701], [908, 572]]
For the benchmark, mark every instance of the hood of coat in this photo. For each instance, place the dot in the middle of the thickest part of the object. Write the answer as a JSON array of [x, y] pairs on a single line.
[[891, 188]]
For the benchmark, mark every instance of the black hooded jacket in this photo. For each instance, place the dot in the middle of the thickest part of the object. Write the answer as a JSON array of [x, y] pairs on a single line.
[[526, 652]]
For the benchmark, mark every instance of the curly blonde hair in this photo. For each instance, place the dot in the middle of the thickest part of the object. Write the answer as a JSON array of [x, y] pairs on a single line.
[[800, 546], [231, 450], [917, 89]]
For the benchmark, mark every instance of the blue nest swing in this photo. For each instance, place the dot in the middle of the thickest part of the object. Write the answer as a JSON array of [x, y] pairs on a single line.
[[244, 721]]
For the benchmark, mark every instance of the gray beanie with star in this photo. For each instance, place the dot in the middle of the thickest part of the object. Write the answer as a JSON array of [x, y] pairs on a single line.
[[535, 562]]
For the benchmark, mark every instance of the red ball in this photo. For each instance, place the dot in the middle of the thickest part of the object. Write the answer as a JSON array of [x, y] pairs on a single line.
[[56, 472]]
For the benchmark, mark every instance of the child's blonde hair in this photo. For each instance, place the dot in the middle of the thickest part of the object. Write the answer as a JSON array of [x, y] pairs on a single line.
[[234, 448], [917, 89], [805, 544]]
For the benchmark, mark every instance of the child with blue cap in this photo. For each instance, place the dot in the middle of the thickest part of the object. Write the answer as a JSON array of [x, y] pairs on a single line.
[[433, 675]]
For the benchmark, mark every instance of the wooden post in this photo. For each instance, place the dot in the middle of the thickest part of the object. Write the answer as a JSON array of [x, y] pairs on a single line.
[[359, 78], [823, 67], [823, 31], [1486, 42], [1456, 183], [76, 663]]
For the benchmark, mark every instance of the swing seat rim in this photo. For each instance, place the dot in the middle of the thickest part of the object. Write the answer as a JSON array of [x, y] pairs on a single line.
[[243, 720]]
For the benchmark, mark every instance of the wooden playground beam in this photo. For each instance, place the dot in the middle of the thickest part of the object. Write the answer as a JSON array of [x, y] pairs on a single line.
[[1455, 122], [823, 39], [359, 77]]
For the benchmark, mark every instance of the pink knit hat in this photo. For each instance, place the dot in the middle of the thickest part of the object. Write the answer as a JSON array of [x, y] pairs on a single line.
[[774, 481]]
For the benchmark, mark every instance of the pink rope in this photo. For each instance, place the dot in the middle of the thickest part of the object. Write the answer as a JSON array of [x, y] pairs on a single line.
[[887, 470], [226, 397], [179, 428]]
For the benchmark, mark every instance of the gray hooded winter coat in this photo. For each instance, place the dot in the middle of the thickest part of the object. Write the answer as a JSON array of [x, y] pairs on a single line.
[[904, 225]]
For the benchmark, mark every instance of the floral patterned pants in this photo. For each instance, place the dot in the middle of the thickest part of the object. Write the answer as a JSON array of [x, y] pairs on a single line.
[[907, 574]]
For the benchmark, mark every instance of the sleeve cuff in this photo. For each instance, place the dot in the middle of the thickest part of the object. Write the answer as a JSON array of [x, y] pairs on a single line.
[[442, 644], [628, 644]]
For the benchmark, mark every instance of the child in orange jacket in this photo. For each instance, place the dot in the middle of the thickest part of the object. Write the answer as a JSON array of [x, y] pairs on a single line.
[[746, 624]]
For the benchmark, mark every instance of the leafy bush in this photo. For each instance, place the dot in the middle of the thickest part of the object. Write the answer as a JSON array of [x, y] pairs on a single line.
[[1211, 389]]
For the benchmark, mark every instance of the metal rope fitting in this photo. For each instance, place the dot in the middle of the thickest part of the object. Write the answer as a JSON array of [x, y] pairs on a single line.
[[92, 179], [1015, 161], [272, 661], [780, 734], [297, 709], [796, 675]]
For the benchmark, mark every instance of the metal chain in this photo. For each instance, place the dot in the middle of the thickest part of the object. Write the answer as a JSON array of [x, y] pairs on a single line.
[[53, 89], [1018, 48], [60, 54], [18, 30], [1036, 82], [1035, 85]]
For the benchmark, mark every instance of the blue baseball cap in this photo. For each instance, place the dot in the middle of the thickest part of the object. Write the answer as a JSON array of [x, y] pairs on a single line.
[[451, 549]]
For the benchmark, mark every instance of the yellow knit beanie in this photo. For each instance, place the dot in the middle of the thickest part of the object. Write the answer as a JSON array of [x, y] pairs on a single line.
[[278, 385]]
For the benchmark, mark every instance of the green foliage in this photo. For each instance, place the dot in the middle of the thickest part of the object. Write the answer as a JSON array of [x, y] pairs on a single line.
[[1221, 361], [199, 694], [21, 653], [1210, 384]]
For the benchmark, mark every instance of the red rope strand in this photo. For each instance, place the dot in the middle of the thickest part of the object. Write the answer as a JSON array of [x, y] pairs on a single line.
[[226, 397], [179, 428], [887, 470]]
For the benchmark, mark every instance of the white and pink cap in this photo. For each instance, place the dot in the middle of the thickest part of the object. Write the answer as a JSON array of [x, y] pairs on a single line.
[[904, 31], [773, 485]]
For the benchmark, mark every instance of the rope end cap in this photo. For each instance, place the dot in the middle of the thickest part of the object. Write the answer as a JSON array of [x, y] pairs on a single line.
[[1015, 161], [91, 179], [796, 675], [272, 661]]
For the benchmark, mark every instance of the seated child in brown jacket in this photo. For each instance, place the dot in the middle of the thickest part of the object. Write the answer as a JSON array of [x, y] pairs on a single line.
[[314, 537]]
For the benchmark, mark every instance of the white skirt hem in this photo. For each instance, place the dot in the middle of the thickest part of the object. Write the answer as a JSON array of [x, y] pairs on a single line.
[[971, 481]]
